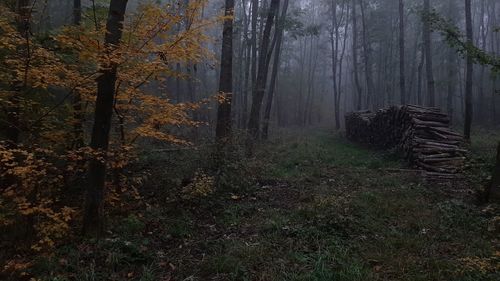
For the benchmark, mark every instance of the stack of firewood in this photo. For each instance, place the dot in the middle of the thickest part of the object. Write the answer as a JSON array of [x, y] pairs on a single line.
[[423, 135]]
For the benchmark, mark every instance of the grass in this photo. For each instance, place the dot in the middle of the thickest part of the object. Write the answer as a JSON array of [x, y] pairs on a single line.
[[318, 208]]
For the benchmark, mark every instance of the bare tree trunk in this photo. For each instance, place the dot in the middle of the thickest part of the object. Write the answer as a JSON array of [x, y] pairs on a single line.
[[272, 87], [495, 48], [359, 91], [428, 58], [402, 79], [78, 115], [334, 40], [451, 65], [469, 69], [482, 28], [451, 82], [337, 60], [309, 83], [420, 78], [260, 85], [247, 49], [92, 221], [412, 96], [493, 190], [255, 13], [367, 57], [223, 129]]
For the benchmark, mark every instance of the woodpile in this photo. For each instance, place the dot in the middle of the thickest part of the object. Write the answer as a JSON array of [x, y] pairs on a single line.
[[422, 134]]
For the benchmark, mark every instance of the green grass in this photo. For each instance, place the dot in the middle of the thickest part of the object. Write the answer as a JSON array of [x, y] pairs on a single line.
[[304, 156], [329, 210]]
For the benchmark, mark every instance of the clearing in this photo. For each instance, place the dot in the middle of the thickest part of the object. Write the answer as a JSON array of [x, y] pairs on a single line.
[[314, 207]]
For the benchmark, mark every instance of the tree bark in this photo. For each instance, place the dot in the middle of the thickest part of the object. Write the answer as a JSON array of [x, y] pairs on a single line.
[[493, 191], [367, 58], [359, 91], [469, 73], [78, 116], [255, 13], [451, 65], [106, 83], [274, 74], [260, 85], [223, 130], [402, 79], [428, 57]]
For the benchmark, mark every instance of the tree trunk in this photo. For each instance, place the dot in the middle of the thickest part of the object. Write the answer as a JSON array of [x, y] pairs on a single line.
[[451, 65], [359, 91], [493, 190], [469, 70], [367, 57], [334, 40], [78, 116], [92, 221], [260, 85], [274, 74], [255, 13], [428, 57], [480, 104], [402, 79], [223, 129], [420, 78], [23, 24]]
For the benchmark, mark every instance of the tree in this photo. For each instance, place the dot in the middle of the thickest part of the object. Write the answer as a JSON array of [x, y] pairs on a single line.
[[260, 84], [493, 190], [428, 57], [23, 24], [359, 91], [402, 79], [367, 57], [337, 56], [469, 72], [223, 129], [280, 27], [92, 222], [77, 98]]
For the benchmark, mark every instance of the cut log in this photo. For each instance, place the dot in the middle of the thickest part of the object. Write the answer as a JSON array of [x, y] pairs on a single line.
[[422, 135]]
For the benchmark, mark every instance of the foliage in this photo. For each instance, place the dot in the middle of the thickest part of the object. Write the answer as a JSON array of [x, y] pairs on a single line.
[[45, 79], [456, 39]]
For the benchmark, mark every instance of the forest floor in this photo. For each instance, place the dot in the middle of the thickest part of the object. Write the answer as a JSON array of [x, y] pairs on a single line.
[[313, 207]]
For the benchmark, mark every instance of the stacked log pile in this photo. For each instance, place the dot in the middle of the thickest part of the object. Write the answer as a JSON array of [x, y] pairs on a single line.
[[422, 134]]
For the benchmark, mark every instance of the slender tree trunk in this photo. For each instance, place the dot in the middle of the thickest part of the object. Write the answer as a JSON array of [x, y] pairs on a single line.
[[483, 35], [78, 116], [420, 78], [309, 82], [312, 91], [274, 74], [359, 91], [451, 88], [23, 24], [469, 73], [255, 13], [367, 58], [451, 65], [260, 85], [495, 48], [428, 57], [493, 190], [412, 96], [223, 130], [402, 79], [92, 221]]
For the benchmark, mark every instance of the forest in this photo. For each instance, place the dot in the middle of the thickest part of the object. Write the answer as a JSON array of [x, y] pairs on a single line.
[[322, 140]]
